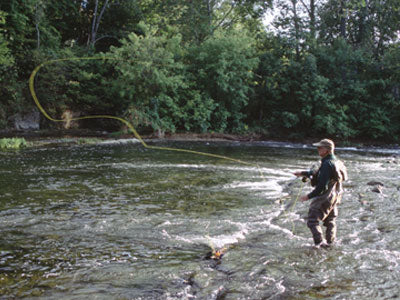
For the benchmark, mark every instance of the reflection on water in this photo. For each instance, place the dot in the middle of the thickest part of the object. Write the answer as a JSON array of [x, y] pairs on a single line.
[[121, 222]]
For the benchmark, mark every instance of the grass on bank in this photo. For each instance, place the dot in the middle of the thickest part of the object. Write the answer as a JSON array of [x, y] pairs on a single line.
[[13, 143]]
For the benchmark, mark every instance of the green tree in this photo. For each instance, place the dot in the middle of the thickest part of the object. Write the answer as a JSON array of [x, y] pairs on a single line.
[[9, 88], [359, 85], [6, 59], [19, 29], [152, 75], [292, 95], [107, 21], [297, 23], [391, 68], [372, 24], [198, 19], [222, 67], [27, 29], [85, 87]]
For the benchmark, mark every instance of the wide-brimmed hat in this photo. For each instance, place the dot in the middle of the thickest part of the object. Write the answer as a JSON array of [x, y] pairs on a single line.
[[325, 143]]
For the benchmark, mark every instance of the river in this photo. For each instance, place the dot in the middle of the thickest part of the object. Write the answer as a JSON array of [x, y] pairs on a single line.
[[118, 221]]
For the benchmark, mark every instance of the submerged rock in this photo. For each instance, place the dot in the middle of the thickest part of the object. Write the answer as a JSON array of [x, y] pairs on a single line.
[[375, 183], [378, 189], [362, 200], [378, 186]]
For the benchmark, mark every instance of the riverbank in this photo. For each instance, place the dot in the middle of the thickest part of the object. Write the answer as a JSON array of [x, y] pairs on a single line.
[[82, 134]]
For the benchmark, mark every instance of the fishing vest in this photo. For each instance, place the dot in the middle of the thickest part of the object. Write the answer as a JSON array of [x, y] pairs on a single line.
[[339, 172], [333, 195]]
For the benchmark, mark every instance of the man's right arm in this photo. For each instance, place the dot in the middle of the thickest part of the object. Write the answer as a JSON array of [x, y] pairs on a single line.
[[324, 176], [303, 173]]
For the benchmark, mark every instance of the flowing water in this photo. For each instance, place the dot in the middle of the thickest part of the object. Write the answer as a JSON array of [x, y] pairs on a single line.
[[117, 221]]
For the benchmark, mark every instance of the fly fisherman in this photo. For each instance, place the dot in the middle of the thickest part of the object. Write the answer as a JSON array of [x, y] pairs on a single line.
[[327, 193]]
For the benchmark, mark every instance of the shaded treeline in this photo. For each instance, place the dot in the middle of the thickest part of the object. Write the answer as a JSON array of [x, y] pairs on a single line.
[[328, 67]]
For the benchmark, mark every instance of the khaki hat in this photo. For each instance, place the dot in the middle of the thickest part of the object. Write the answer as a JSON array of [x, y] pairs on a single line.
[[325, 143]]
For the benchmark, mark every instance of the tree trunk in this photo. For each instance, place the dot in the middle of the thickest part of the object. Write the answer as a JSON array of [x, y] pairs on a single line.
[[311, 14], [38, 35], [362, 28], [343, 19], [209, 13], [37, 21], [93, 31], [96, 22], [296, 27], [312, 19]]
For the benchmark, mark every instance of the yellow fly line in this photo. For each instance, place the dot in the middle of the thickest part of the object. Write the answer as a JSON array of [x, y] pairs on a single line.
[[128, 124]]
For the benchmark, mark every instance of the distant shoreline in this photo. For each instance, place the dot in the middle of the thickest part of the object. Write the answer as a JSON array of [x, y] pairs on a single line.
[[251, 137]]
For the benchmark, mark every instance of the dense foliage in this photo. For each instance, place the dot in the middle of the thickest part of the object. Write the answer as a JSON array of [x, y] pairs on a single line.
[[321, 68]]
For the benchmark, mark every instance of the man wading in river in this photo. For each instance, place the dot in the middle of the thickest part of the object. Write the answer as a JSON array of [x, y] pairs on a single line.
[[326, 195]]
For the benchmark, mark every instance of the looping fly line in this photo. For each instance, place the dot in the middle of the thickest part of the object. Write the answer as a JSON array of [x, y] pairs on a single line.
[[128, 124]]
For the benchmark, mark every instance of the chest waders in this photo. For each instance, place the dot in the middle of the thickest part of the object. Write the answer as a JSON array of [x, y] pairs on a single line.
[[324, 207]]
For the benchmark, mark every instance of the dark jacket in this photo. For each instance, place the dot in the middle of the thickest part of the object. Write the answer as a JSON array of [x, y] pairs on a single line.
[[323, 176], [328, 181]]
